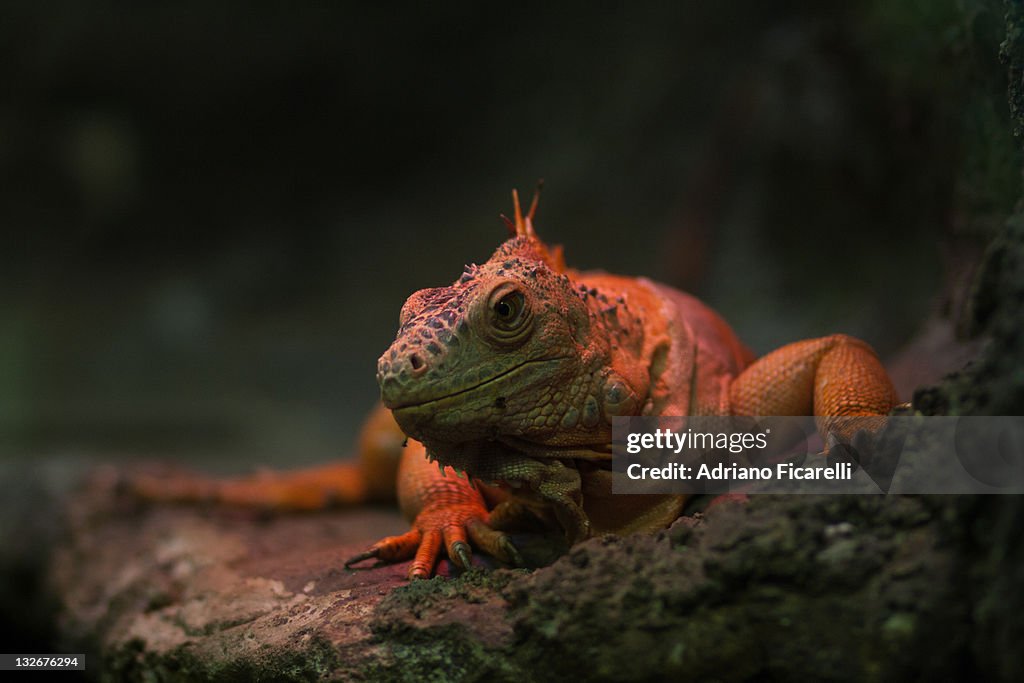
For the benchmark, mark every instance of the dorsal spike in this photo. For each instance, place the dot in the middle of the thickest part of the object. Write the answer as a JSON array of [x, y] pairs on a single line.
[[536, 200], [525, 242], [520, 223], [508, 224], [524, 226]]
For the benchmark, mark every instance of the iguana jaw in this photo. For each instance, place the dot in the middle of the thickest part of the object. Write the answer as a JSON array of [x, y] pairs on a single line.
[[527, 402], [402, 406]]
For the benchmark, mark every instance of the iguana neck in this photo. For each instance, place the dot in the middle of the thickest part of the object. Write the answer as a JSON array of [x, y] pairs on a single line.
[[627, 321]]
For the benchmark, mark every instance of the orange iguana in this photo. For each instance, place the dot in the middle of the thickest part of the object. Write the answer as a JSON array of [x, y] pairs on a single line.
[[499, 393]]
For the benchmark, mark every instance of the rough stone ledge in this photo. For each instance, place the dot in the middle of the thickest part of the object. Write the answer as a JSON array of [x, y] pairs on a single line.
[[804, 587]]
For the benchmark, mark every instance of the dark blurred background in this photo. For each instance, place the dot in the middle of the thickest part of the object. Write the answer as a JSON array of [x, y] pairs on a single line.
[[211, 213]]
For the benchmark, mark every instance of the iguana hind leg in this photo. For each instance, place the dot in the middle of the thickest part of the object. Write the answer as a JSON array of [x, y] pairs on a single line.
[[346, 483], [832, 377]]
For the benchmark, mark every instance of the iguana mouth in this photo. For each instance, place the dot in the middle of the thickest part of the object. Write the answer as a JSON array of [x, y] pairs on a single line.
[[426, 402]]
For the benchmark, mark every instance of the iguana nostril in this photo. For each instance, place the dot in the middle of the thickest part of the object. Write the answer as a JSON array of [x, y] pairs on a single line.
[[416, 361]]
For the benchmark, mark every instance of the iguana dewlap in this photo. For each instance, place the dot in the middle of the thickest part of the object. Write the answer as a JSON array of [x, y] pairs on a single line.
[[512, 375]]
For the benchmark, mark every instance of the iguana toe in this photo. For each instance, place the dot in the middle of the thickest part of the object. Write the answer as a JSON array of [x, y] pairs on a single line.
[[494, 543], [390, 549]]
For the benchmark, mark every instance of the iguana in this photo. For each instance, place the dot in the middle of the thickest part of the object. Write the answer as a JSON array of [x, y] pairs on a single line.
[[499, 391]]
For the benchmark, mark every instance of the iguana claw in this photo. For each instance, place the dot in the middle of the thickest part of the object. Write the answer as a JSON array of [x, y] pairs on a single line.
[[365, 555], [462, 554]]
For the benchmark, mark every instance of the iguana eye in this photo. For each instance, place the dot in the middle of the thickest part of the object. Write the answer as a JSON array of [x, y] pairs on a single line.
[[508, 318], [508, 308]]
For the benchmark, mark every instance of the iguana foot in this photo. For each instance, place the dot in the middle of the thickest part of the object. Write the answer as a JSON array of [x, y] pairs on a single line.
[[561, 488], [452, 526], [447, 510]]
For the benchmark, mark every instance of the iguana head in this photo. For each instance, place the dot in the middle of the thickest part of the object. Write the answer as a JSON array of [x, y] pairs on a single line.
[[504, 351]]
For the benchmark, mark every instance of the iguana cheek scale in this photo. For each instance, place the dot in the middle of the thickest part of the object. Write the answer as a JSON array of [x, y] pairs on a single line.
[[499, 392]]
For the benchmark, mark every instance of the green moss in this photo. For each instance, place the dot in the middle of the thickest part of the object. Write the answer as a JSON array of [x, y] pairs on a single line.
[[317, 661], [1012, 54], [900, 627]]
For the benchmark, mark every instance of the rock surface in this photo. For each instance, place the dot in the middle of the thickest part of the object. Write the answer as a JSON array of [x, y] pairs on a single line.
[[177, 592], [804, 587]]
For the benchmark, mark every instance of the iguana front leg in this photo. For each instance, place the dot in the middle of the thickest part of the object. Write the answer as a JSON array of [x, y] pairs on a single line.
[[446, 510], [545, 483], [831, 377]]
